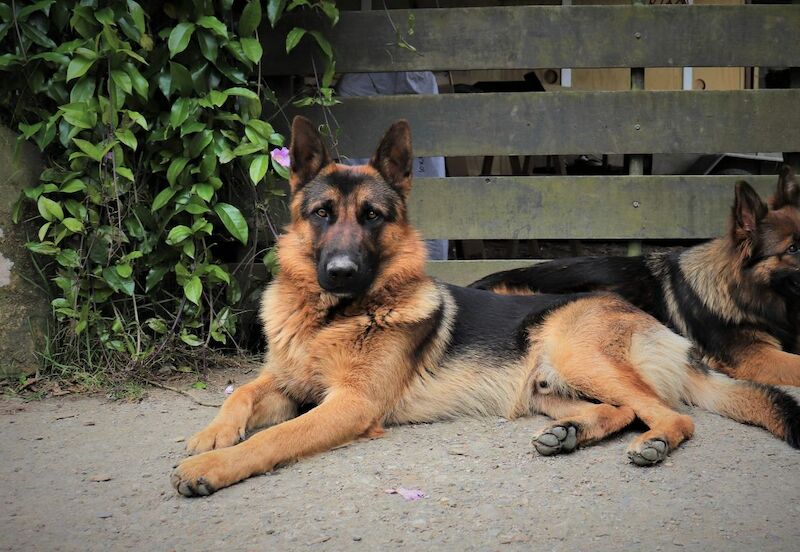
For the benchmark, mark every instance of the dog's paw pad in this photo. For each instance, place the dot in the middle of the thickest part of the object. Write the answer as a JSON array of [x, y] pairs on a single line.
[[556, 439], [649, 452]]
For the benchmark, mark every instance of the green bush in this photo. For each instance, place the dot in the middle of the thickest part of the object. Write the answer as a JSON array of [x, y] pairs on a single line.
[[149, 116]]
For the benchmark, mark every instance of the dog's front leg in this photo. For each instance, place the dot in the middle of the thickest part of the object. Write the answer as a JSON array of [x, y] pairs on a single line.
[[255, 404], [344, 415]]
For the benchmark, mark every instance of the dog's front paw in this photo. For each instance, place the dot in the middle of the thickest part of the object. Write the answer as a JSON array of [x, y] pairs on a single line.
[[205, 474], [216, 436]]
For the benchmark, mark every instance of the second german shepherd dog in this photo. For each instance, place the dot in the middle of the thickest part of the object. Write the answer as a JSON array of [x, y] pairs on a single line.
[[736, 297], [355, 327]]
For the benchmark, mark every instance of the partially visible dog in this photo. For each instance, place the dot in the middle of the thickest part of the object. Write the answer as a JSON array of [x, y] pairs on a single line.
[[735, 297], [355, 326]]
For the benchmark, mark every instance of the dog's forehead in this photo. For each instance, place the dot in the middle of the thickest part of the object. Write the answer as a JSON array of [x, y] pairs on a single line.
[[782, 225], [343, 181]]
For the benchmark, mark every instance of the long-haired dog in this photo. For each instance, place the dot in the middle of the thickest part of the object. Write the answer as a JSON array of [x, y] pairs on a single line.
[[736, 297], [355, 327]]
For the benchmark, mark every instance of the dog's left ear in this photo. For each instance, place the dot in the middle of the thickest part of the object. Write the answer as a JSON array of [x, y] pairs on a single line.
[[308, 153], [394, 157], [788, 192]]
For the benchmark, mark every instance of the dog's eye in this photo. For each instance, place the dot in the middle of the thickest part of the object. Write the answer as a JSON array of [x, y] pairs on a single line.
[[371, 214], [792, 249], [322, 212]]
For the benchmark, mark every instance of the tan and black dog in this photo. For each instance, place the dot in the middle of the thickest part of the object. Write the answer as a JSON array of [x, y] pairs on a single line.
[[355, 327], [736, 297]]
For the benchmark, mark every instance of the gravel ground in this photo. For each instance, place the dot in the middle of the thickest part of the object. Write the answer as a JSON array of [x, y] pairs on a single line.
[[90, 474]]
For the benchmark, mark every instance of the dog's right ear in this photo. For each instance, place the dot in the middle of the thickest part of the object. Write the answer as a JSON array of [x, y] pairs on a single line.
[[308, 153], [788, 192], [748, 211]]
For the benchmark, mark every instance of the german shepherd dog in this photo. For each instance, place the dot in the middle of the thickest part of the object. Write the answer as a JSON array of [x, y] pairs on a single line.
[[736, 297], [355, 327]]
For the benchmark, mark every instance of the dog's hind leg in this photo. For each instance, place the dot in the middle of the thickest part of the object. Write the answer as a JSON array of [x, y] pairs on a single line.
[[589, 371], [577, 422], [255, 404]]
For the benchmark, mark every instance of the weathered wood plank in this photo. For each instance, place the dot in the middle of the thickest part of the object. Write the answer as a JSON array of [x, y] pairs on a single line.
[[462, 273], [550, 36], [574, 122], [576, 207]]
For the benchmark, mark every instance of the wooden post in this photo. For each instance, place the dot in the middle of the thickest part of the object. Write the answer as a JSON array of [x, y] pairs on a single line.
[[636, 163]]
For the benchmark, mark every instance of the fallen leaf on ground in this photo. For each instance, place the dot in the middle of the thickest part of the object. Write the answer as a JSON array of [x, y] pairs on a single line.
[[408, 494]]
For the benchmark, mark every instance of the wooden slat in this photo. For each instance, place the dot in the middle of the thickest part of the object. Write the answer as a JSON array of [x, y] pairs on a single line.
[[574, 122], [550, 36], [577, 207], [462, 273]]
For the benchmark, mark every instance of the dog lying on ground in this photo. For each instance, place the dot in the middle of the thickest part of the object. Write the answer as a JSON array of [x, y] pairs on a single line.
[[735, 297], [355, 326]]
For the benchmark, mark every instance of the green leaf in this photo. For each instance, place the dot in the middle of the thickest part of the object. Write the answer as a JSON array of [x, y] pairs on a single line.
[[193, 289], [329, 8], [324, 45], [140, 83], [179, 38], [68, 258], [78, 67], [89, 149], [180, 111], [154, 276], [122, 80], [49, 209], [162, 198], [293, 38], [178, 234], [209, 46], [44, 248], [252, 49], [125, 172], [216, 271], [199, 385], [73, 225], [213, 24], [258, 168], [137, 14], [137, 118], [251, 18], [124, 270], [117, 283], [204, 191], [43, 230], [72, 186], [233, 221], [275, 10], [175, 169], [180, 79], [243, 92], [191, 339], [79, 115], [125, 136]]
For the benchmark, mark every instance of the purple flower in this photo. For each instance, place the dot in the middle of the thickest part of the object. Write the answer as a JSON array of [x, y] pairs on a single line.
[[408, 494], [281, 157], [229, 390]]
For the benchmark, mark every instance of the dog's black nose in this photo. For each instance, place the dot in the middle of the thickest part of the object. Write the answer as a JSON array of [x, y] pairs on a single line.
[[341, 270]]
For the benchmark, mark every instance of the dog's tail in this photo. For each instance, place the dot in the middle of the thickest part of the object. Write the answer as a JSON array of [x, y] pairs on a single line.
[[674, 368]]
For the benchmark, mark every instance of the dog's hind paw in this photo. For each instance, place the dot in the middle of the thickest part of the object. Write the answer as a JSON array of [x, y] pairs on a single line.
[[649, 452], [556, 439]]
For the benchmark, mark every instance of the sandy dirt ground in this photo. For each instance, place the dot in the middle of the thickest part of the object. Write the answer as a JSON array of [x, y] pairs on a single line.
[[87, 473]]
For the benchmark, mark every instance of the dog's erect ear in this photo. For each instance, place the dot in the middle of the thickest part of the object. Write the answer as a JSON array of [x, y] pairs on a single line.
[[394, 158], [748, 211], [788, 192], [308, 152]]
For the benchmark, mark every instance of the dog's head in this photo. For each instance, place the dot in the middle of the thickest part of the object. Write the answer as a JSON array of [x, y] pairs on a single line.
[[351, 218], [769, 234]]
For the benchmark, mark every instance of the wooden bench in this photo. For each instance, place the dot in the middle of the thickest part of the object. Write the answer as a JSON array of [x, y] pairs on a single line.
[[634, 122]]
